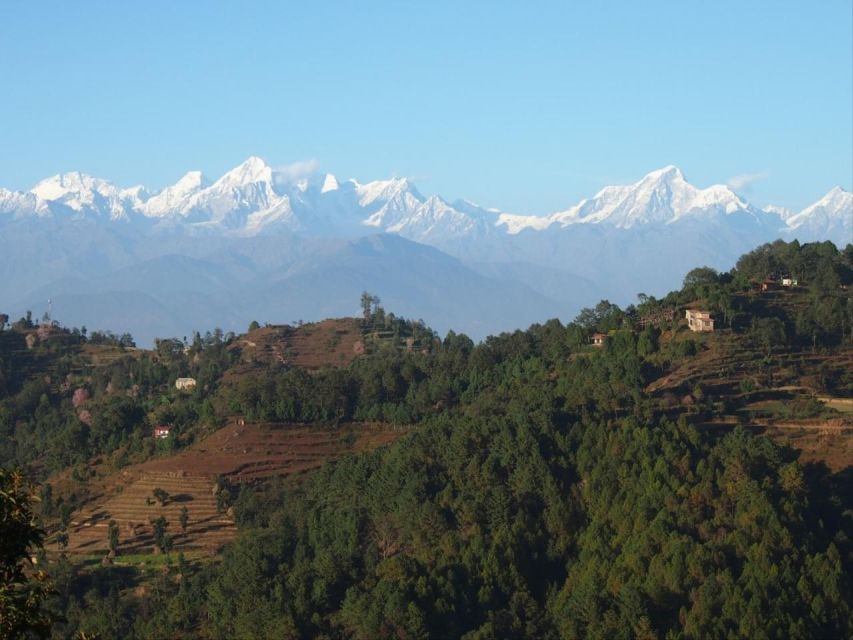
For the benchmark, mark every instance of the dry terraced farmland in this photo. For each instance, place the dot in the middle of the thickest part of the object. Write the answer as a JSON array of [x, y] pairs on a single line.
[[236, 452], [133, 507]]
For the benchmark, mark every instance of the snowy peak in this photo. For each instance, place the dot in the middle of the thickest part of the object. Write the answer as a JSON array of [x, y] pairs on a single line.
[[837, 200], [838, 203], [251, 171], [173, 198], [191, 181], [330, 183], [388, 203], [85, 194], [244, 192], [254, 198], [21, 204], [830, 218], [661, 197], [667, 174], [67, 186], [381, 191], [783, 212]]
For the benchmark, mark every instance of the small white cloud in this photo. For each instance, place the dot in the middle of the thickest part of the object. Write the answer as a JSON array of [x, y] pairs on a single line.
[[294, 171], [744, 181]]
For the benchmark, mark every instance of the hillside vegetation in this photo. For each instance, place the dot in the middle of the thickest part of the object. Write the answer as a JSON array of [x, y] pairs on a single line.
[[534, 485]]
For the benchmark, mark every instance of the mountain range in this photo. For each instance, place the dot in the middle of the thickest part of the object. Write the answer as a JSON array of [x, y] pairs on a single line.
[[258, 243]]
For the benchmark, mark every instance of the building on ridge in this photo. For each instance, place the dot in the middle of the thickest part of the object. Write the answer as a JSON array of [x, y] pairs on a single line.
[[699, 320], [185, 384]]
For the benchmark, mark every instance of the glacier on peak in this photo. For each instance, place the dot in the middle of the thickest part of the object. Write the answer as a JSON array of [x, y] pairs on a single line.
[[783, 212], [86, 194], [660, 197], [330, 183], [381, 190], [21, 204], [170, 199], [830, 218], [252, 170]]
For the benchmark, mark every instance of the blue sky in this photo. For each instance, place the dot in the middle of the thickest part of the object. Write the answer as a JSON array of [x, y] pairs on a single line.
[[524, 106]]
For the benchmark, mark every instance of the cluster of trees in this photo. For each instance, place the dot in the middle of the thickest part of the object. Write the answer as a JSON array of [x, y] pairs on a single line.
[[59, 408], [821, 314], [542, 525], [534, 506], [24, 587]]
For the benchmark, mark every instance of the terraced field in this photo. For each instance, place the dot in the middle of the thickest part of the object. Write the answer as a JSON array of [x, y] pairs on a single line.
[[310, 346], [254, 451], [133, 508], [237, 452], [762, 397]]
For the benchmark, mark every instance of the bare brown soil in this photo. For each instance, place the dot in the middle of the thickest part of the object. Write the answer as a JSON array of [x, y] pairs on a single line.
[[236, 452], [818, 440], [310, 346], [132, 506], [253, 451], [831, 446]]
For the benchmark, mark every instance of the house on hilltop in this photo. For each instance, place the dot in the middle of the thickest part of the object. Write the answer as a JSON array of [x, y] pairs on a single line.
[[598, 339], [768, 284], [185, 384], [699, 320], [161, 431]]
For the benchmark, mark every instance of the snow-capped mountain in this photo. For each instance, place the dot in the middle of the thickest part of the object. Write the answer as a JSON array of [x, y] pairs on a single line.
[[85, 194], [254, 198], [661, 197], [830, 218], [18, 204], [242, 200], [782, 212], [275, 242], [172, 199]]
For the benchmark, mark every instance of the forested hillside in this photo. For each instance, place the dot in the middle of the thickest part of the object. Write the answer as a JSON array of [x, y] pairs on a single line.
[[537, 486]]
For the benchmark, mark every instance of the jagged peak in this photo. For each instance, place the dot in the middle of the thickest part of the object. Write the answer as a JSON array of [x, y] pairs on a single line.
[[251, 170], [435, 200], [330, 183], [57, 186], [835, 197], [137, 194], [779, 210], [669, 172], [837, 204], [835, 193], [191, 180], [385, 190]]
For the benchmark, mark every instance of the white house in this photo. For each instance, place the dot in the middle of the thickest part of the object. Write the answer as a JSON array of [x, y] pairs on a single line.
[[699, 320], [185, 384]]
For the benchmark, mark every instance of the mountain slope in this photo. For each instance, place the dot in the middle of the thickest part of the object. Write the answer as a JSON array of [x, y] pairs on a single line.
[[830, 218]]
